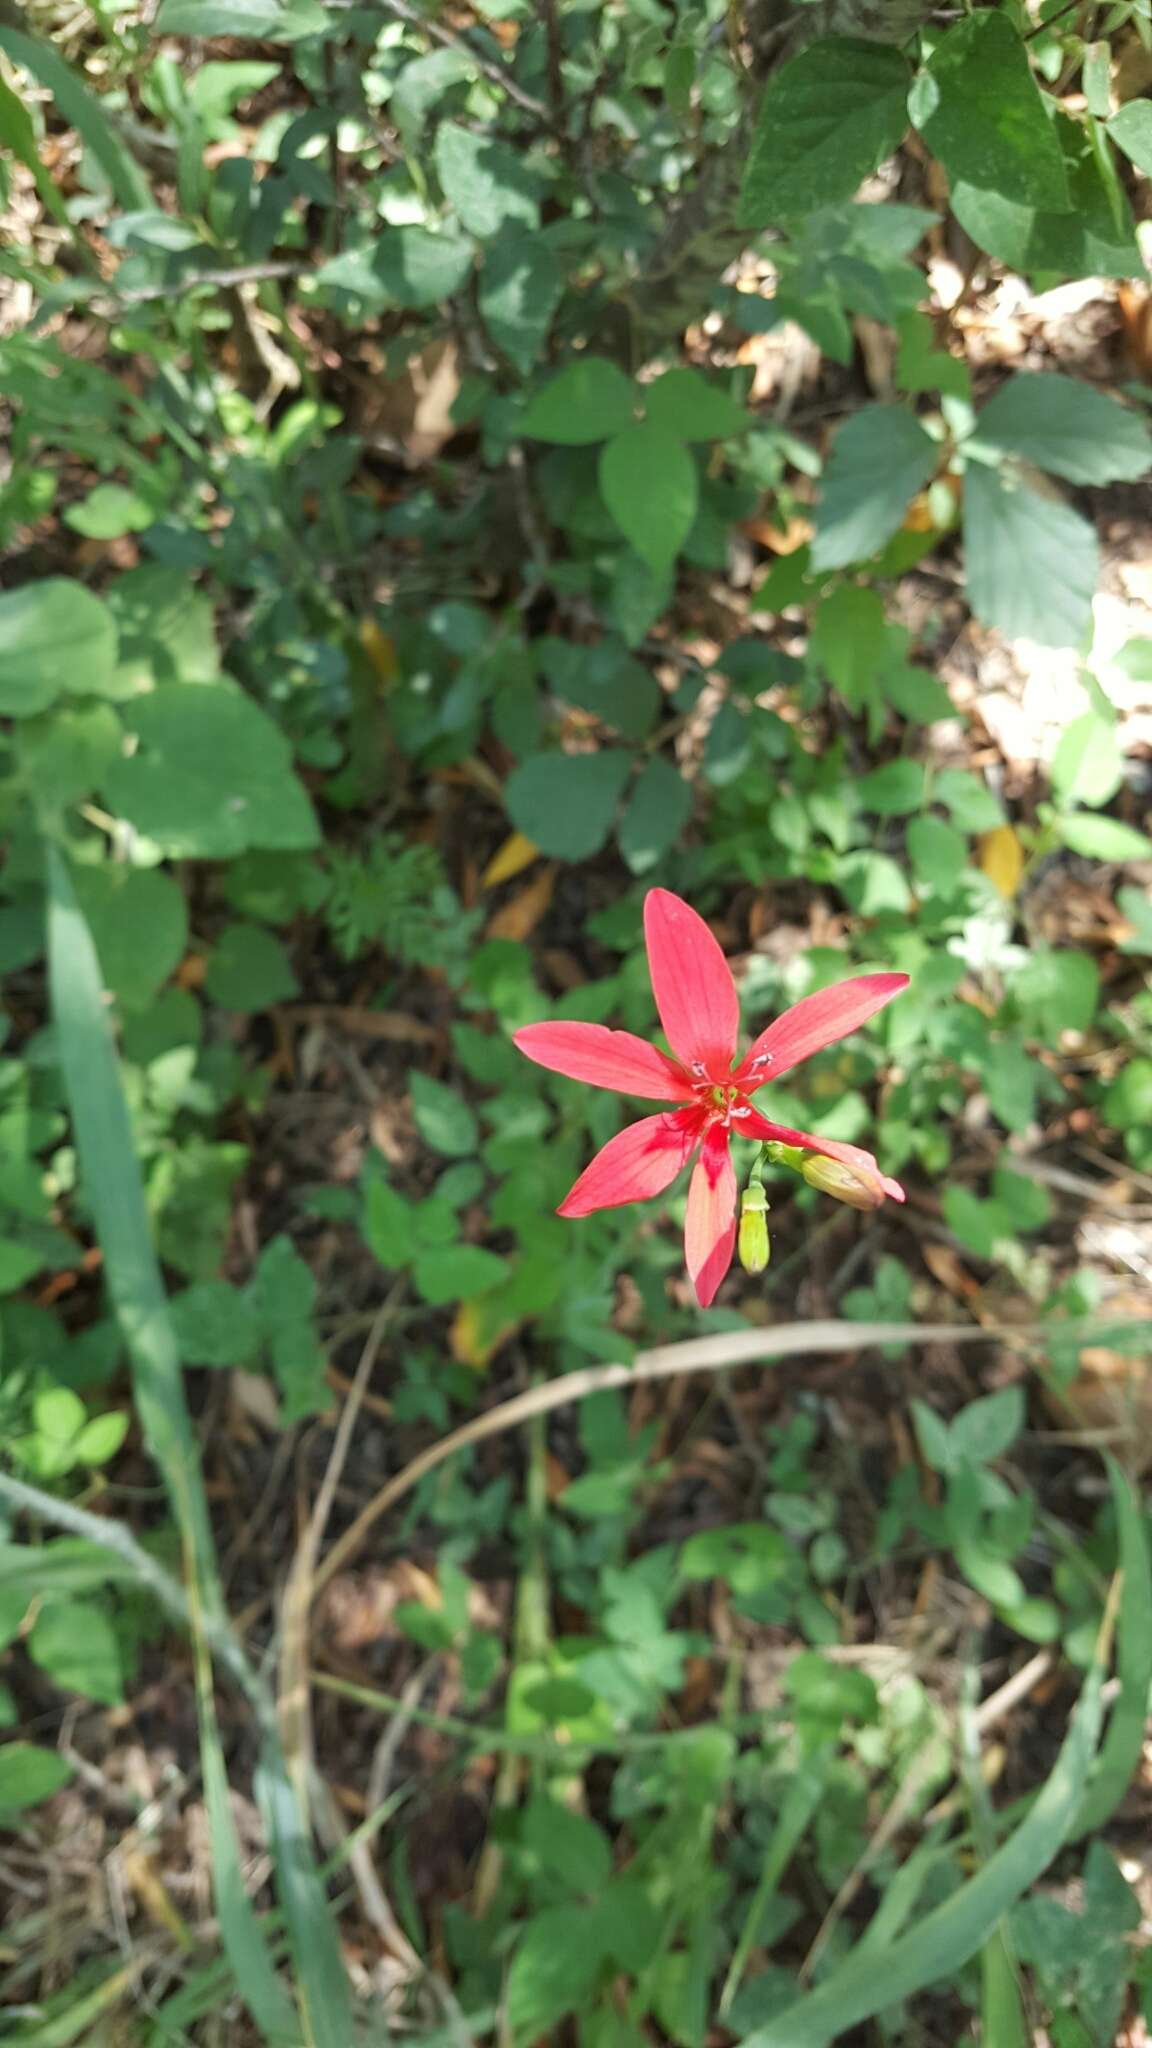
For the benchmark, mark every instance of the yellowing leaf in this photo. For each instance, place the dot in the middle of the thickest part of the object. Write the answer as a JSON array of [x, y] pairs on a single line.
[[1002, 859], [476, 1333], [516, 854], [380, 650]]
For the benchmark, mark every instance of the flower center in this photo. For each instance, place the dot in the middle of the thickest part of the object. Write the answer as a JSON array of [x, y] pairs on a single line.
[[723, 1104]]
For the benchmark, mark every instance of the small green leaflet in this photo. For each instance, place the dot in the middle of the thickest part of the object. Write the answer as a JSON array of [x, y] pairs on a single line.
[[658, 809], [1131, 128], [519, 290], [1063, 424], [648, 482], [587, 401], [828, 118], [566, 803], [1032, 562], [880, 458], [484, 181]]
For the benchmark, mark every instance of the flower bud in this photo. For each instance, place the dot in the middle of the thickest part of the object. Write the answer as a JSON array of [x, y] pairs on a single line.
[[779, 1154], [833, 1178], [752, 1239]]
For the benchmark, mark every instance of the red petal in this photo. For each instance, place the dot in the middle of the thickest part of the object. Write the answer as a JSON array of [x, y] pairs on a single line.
[[861, 1162], [692, 983], [710, 1222], [641, 1161], [815, 1022], [605, 1059]]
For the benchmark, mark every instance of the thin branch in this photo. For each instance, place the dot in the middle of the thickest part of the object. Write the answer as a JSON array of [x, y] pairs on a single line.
[[721, 1353], [451, 41], [225, 278]]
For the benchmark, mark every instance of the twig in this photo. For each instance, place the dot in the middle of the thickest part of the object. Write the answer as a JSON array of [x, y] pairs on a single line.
[[452, 41], [721, 1353], [224, 278], [295, 1694]]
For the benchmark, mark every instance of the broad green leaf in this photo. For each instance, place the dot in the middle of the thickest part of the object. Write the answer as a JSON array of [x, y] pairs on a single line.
[[167, 633], [211, 775], [970, 801], [418, 267], [29, 1774], [422, 84], [266, 21], [1088, 765], [75, 1644], [139, 924], [443, 1118], [519, 290], [980, 111], [565, 803], [1131, 128], [828, 118], [648, 482], [249, 969], [1063, 424], [1032, 562], [109, 511], [604, 679], [457, 1272], [848, 642], [553, 1969], [948, 1936], [986, 1428], [55, 636], [587, 401], [1093, 237], [938, 853], [215, 1324], [657, 811], [1104, 838], [1057, 991], [65, 754], [485, 181], [692, 408], [893, 789], [388, 1220], [880, 458]]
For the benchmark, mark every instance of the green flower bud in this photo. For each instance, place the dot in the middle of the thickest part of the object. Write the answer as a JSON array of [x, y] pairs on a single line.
[[752, 1238], [835, 1179], [779, 1154]]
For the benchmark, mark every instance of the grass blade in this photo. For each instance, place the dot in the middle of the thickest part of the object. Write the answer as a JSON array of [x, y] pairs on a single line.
[[954, 1932], [115, 1192], [1123, 1744], [83, 112]]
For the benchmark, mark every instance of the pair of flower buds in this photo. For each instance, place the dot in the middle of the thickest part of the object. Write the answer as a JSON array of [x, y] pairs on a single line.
[[753, 1248]]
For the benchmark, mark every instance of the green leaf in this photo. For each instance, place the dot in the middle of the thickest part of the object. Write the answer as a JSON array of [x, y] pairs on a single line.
[[215, 1324], [415, 266], [848, 641], [1088, 765], [970, 801], [211, 776], [1131, 128], [1123, 1744], [1062, 424], [457, 1272], [1032, 562], [388, 1220], [980, 111], [109, 511], [689, 406], [938, 853], [587, 401], [1128, 1099], [1057, 991], [553, 1970], [249, 969], [65, 754], [829, 117], [1104, 838], [565, 803], [1094, 237], [880, 458], [520, 288], [648, 482], [443, 1118], [567, 1844], [985, 1429], [54, 636], [139, 923], [485, 181], [29, 1774], [75, 1644], [892, 790], [266, 21], [657, 811], [603, 678]]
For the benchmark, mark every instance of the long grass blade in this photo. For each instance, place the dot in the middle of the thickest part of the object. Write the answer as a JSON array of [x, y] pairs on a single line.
[[1123, 1744], [115, 1192], [954, 1932], [83, 112]]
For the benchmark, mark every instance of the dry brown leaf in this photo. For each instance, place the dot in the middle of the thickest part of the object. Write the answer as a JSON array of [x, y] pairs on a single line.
[[946, 1266], [517, 918]]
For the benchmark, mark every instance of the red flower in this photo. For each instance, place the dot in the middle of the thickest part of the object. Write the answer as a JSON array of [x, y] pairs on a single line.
[[700, 1012]]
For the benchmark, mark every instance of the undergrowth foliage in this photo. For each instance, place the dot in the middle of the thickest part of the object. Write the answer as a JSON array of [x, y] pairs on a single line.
[[467, 471]]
